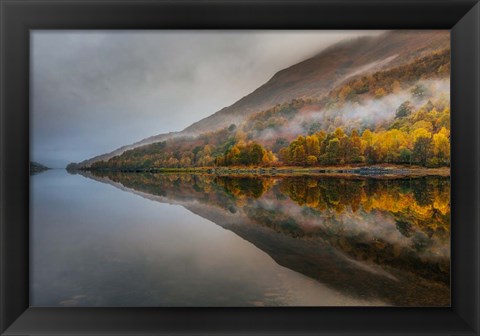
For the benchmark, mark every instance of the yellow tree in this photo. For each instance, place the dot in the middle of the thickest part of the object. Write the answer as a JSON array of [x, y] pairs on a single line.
[[312, 146], [423, 124], [368, 139], [367, 136], [421, 132], [379, 93], [284, 155], [321, 136], [233, 155], [391, 142], [344, 93], [441, 146], [268, 157], [311, 160], [357, 151], [339, 133], [240, 136], [208, 149]]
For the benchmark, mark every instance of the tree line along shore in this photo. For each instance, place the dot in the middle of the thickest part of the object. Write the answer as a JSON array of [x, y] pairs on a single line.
[[378, 171]]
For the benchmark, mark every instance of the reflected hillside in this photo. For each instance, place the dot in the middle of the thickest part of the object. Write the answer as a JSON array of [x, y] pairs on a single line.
[[367, 238]]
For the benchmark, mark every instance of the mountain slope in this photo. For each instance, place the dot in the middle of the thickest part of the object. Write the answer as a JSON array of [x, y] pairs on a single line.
[[316, 76], [312, 78]]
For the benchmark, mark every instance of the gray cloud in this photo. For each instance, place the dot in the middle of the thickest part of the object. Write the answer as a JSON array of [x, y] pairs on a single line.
[[94, 91]]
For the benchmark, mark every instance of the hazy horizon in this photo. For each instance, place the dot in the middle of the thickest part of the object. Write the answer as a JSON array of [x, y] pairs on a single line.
[[95, 91]]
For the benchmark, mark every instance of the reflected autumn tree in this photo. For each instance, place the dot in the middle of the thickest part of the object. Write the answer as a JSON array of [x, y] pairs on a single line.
[[415, 204], [400, 225], [422, 202]]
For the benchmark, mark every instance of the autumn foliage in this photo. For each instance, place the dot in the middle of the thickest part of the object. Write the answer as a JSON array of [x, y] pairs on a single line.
[[418, 132]]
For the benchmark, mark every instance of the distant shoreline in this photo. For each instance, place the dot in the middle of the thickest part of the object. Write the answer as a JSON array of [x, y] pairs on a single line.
[[374, 171], [36, 168]]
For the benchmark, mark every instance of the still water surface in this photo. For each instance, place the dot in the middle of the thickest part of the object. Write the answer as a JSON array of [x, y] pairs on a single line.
[[132, 239]]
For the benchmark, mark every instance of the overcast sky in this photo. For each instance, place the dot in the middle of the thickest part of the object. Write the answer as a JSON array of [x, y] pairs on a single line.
[[95, 91]]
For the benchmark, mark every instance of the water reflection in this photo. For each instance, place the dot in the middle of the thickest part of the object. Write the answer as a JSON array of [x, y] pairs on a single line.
[[370, 239]]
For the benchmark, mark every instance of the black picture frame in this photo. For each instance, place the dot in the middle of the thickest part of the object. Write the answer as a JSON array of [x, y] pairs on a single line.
[[18, 17]]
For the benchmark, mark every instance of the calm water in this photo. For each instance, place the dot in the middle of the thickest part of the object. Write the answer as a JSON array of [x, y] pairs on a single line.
[[131, 239]]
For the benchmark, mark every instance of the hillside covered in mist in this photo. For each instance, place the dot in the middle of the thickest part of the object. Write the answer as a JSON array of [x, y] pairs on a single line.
[[382, 99]]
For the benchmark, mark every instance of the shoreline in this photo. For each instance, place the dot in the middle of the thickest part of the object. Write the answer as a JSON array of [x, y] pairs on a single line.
[[373, 171]]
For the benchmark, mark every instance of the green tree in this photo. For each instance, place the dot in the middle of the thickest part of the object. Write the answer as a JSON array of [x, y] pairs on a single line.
[[371, 154], [345, 150], [405, 155], [332, 151], [256, 153], [299, 155], [404, 110], [421, 149], [418, 91]]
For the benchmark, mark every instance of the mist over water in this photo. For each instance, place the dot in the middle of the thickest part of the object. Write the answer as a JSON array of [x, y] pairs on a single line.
[[131, 239]]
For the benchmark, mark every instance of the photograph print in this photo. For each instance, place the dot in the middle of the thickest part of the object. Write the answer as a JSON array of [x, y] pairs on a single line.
[[228, 168]]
